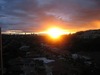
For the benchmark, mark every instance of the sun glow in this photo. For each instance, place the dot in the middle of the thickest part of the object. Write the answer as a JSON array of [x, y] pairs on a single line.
[[56, 32]]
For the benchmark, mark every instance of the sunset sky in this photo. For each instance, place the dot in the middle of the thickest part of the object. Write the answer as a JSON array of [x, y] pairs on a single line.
[[39, 15]]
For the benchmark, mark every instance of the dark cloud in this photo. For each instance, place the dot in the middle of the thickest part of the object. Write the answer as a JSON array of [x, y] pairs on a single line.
[[33, 15]]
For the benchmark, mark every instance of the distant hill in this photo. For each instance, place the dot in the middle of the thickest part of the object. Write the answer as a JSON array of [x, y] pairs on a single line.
[[88, 34], [84, 41]]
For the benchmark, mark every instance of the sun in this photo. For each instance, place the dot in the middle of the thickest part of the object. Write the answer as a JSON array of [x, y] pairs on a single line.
[[55, 32]]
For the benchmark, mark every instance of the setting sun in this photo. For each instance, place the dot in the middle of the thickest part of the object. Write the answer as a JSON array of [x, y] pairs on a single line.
[[55, 32]]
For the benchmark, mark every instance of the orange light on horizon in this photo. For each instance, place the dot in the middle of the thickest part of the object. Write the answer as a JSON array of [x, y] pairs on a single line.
[[55, 32]]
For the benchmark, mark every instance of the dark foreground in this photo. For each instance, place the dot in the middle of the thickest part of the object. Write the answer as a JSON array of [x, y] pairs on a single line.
[[75, 54]]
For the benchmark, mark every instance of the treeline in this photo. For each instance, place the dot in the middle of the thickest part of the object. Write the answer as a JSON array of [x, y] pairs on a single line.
[[72, 42], [76, 42]]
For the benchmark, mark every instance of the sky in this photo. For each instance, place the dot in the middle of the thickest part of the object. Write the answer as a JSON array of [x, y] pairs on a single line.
[[38, 15]]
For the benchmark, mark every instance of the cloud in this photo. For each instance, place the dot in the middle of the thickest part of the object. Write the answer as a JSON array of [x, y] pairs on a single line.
[[35, 15]]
